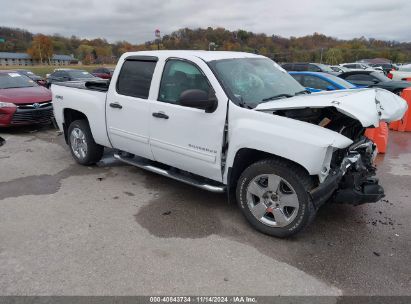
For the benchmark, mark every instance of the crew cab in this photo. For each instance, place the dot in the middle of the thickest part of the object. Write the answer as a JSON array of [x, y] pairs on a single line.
[[231, 122]]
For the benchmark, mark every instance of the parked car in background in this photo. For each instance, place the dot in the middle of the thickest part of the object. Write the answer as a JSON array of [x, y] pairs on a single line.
[[316, 81], [23, 101], [403, 73], [63, 75], [280, 151], [40, 80], [104, 73], [338, 69], [371, 79], [386, 67], [360, 66], [311, 67]]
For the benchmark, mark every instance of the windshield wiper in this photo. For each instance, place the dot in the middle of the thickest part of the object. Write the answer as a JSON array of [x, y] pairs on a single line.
[[277, 97]]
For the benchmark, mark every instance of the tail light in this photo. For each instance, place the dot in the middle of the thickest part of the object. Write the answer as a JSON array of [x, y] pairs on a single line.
[[389, 75]]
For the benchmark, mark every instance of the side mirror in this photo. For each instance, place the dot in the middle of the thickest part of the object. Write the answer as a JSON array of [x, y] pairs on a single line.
[[330, 88], [198, 99]]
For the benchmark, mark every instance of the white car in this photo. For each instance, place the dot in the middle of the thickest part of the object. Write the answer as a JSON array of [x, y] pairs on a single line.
[[403, 73], [231, 122], [361, 67]]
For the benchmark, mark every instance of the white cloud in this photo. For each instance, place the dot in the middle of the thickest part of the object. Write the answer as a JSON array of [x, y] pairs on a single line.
[[136, 21]]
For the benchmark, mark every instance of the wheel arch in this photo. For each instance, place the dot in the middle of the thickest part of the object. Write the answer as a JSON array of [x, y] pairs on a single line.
[[243, 158], [71, 115]]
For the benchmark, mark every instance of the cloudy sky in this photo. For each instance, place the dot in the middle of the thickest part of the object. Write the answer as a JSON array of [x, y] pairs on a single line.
[[136, 20]]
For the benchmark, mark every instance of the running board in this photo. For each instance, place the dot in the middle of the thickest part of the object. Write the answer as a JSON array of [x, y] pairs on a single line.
[[146, 165]]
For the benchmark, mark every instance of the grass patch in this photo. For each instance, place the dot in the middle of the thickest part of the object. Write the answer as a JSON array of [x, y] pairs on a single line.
[[42, 70]]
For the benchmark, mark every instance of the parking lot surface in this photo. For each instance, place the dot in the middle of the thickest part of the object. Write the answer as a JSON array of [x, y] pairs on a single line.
[[113, 229]]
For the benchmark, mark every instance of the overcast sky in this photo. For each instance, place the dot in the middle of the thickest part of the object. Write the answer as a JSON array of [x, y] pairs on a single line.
[[135, 21]]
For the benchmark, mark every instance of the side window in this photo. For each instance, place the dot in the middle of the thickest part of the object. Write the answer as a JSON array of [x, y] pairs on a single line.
[[179, 76], [58, 74], [313, 68], [287, 66], [298, 77], [135, 78], [300, 67], [360, 77], [315, 82]]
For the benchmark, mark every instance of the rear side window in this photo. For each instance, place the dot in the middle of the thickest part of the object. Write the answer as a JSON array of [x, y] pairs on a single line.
[[135, 78]]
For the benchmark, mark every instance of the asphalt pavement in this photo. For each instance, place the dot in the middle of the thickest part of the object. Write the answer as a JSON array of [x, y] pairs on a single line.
[[113, 229]]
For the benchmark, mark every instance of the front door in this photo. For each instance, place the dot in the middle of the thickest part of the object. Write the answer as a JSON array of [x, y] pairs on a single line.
[[187, 138], [128, 105]]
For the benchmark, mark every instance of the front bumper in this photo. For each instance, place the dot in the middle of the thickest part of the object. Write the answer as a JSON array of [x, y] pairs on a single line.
[[27, 115], [353, 182]]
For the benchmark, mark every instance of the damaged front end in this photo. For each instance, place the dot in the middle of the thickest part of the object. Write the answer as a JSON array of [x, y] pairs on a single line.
[[348, 174], [352, 177]]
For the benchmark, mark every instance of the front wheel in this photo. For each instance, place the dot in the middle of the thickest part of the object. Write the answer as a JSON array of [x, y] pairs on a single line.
[[82, 145], [273, 196]]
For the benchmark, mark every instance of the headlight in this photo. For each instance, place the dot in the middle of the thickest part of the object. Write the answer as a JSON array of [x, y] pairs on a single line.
[[7, 105]]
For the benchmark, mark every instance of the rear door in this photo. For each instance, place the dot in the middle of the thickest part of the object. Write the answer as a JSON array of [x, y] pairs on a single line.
[[127, 106], [183, 137]]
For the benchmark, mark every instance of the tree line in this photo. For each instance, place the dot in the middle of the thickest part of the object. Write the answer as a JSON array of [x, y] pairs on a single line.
[[311, 48]]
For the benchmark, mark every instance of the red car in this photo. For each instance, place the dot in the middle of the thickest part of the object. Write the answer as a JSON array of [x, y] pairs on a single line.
[[23, 101], [105, 73]]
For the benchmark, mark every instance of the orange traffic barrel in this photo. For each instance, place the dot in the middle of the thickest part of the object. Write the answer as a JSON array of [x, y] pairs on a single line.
[[379, 136], [404, 125]]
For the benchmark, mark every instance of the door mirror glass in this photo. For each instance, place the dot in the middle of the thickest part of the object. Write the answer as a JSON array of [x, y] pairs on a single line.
[[198, 99]]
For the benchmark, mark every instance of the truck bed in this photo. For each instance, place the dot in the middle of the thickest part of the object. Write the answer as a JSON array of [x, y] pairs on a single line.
[[94, 85], [88, 98]]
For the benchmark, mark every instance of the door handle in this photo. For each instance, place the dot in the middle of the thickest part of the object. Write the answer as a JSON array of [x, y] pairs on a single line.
[[116, 105], [160, 115]]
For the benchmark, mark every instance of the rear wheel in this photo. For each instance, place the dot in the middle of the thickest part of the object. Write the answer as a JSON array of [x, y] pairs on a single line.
[[82, 145], [273, 196]]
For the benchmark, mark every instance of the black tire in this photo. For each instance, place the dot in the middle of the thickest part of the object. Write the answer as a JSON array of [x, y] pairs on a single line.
[[296, 177], [94, 151]]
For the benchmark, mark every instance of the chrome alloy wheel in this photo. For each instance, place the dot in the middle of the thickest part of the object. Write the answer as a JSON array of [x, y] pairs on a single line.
[[272, 200], [78, 143]]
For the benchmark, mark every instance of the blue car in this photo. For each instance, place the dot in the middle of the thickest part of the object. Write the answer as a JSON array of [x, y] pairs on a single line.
[[317, 81]]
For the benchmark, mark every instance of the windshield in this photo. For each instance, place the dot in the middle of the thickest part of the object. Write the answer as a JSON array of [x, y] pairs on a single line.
[[341, 82], [252, 81], [325, 68], [79, 74], [15, 80]]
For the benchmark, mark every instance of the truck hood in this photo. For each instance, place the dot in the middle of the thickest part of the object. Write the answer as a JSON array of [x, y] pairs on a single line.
[[368, 106]]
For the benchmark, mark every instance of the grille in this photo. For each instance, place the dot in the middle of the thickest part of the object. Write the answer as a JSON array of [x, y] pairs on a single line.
[[33, 115]]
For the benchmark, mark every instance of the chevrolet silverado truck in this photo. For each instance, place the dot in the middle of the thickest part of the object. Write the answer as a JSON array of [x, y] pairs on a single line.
[[231, 122]]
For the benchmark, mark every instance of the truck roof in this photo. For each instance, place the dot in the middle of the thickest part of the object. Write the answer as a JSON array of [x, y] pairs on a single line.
[[204, 55]]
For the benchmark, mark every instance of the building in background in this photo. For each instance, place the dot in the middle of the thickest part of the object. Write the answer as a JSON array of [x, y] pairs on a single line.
[[23, 59]]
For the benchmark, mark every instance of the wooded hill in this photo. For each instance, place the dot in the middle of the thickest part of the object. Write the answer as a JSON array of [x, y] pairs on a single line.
[[310, 48]]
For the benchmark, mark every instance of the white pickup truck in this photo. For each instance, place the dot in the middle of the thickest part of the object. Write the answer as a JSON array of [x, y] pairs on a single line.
[[231, 122]]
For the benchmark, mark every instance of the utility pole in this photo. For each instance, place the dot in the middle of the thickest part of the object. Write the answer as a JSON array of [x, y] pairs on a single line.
[[321, 56]]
